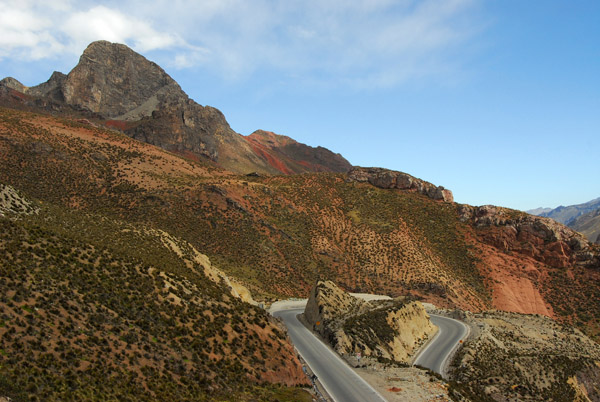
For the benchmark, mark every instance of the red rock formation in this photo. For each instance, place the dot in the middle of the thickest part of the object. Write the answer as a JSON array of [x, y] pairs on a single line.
[[543, 239], [291, 157]]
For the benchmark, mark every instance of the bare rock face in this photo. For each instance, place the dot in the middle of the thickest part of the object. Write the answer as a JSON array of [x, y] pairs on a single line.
[[113, 80], [384, 178], [541, 238], [11, 83], [328, 304], [120, 84], [51, 89], [390, 329]]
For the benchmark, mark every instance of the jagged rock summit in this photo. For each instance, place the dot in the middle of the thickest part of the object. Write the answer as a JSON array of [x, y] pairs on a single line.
[[126, 91], [118, 83]]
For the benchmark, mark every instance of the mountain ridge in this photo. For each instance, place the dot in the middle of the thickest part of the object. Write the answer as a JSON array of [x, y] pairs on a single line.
[[581, 217], [135, 95], [277, 233]]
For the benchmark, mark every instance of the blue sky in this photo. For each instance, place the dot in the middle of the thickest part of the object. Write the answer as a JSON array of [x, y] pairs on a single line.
[[497, 100]]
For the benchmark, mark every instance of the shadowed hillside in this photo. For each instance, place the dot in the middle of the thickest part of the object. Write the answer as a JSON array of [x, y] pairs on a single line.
[[584, 218]]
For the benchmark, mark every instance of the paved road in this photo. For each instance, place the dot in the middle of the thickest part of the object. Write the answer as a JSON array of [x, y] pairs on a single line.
[[436, 354], [340, 381]]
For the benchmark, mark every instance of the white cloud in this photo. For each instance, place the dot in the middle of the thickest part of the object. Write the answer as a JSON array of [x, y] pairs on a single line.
[[336, 40], [25, 34], [31, 30], [191, 57], [104, 23], [100, 22]]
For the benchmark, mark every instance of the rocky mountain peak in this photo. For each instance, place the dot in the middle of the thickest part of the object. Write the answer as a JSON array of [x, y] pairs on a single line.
[[12, 83], [113, 80], [124, 90], [53, 88]]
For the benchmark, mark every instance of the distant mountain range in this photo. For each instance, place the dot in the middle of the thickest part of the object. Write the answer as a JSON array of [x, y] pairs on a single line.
[[585, 218], [538, 211]]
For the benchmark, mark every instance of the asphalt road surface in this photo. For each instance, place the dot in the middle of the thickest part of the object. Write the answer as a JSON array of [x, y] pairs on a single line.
[[338, 379], [436, 354]]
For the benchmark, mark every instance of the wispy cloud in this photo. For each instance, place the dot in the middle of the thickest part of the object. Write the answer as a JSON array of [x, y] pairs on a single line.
[[360, 42], [83, 27]]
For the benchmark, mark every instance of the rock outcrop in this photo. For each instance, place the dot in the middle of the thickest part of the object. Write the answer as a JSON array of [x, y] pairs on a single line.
[[544, 239], [384, 329], [328, 306], [12, 203], [12, 83], [384, 178], [118, 83]]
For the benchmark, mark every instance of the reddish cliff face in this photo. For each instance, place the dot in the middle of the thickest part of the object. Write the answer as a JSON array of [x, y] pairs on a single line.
[[543, 239], [291, 157], [535, 265]]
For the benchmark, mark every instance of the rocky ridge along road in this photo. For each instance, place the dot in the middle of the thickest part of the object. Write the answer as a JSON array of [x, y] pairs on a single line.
[[434, 356]]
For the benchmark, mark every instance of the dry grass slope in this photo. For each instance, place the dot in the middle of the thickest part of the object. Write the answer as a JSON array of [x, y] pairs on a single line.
[[522, 357], [112, 312], [279, 234]]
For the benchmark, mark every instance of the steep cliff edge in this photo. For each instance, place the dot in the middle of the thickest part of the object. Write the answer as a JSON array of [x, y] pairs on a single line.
[[535, 265], [389, 329]]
